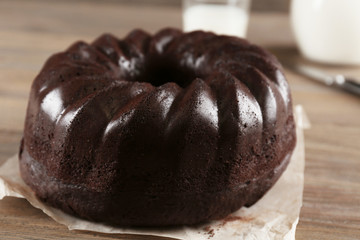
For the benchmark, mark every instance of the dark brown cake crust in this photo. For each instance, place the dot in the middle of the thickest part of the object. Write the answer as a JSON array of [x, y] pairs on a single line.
[[175, 128]]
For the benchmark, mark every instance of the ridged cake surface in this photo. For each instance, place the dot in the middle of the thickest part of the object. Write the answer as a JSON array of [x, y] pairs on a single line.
[[157, 130]]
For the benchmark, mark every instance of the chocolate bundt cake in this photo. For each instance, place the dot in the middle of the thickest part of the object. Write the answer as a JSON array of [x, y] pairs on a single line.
[[157, 130]]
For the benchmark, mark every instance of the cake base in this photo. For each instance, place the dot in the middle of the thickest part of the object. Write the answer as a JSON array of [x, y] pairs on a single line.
[[137, 209]]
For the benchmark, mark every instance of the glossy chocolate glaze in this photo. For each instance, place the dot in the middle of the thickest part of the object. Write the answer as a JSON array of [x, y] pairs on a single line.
[[174, 128]]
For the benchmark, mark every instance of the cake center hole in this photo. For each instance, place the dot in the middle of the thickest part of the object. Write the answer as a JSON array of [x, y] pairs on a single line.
[[161, 70]]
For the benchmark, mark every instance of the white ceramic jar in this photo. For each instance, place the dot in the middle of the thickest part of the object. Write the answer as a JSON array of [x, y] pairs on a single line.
[[327, 30]]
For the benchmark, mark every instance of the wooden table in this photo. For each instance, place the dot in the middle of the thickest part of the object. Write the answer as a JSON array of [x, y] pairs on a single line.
[[32, 30]]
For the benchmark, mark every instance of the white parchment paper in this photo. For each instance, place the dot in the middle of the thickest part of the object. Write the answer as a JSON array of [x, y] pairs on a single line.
[[274, 216]]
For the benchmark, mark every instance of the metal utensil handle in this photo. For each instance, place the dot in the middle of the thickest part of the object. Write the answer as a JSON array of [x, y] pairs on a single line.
[[351, 86]]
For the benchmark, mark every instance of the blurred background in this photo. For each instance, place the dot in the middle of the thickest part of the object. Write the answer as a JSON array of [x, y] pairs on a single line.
[[89, 18], [257, 5]]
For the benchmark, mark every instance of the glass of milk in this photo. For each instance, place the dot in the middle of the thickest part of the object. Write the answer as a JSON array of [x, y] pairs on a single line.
[[228, 17], [327, 31]]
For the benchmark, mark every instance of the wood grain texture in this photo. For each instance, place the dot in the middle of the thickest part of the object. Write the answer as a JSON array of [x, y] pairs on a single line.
[[30, 31]]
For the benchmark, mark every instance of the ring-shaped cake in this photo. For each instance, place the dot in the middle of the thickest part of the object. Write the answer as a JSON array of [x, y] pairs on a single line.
[[157, 130]]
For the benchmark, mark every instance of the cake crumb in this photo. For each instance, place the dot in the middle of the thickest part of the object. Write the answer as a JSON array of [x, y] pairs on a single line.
[[209, 231]]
